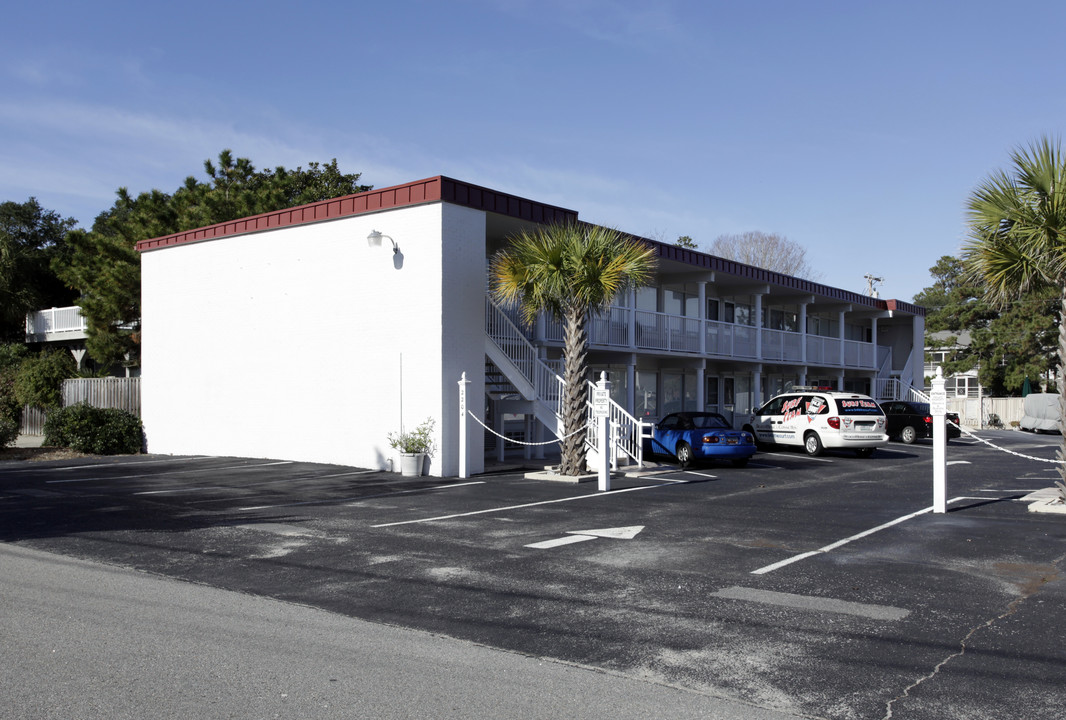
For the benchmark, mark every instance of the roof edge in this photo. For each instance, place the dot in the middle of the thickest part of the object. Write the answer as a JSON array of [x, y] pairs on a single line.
[[761, 275], [433, 189]]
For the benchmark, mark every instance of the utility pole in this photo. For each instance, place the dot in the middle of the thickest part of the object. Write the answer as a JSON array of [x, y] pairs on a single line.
[[871, 280]]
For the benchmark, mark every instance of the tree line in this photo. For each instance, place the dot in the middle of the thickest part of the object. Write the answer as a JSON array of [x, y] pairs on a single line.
[[47, 261]]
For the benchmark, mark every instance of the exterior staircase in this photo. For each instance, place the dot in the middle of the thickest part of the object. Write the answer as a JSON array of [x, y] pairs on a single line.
[[515, 358]]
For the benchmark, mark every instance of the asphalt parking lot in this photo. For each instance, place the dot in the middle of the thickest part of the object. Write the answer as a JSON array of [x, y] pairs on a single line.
[[817, 586]]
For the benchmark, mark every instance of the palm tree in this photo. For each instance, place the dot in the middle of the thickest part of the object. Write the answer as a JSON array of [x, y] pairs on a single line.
[[1017, 242], [570, 270]]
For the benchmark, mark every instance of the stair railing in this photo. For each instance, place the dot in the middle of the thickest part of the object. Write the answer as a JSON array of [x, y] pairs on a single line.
[[548, 386]]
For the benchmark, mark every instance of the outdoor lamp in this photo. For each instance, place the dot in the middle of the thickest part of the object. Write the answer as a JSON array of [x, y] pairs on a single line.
[[374, 240]]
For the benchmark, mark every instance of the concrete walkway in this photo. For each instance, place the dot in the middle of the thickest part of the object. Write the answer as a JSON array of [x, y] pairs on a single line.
[[29, 441]]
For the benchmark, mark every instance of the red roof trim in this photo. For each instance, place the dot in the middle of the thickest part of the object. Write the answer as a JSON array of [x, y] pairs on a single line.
[[441, 188], [420, 192]]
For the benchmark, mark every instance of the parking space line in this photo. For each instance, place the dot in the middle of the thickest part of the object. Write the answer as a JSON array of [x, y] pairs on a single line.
[[105, 464], [526, 505], [362, 497], [693, 472], [845, 541], [804, 456], [818, 604], [176, 472]]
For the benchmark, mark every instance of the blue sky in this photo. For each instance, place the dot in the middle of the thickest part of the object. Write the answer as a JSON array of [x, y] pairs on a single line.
[[856, 129]]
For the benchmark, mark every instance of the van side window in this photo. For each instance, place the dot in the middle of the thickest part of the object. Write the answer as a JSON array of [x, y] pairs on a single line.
[[773, 407], [815, 405]]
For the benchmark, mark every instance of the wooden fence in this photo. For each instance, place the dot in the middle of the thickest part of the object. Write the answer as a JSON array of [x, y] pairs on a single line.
[[110, 392]]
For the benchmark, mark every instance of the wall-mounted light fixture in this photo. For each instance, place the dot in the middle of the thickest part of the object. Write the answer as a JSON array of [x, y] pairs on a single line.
[[374, 240]]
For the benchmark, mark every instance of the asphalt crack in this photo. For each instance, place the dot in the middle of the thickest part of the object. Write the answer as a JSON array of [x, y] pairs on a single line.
[[1027, 591]]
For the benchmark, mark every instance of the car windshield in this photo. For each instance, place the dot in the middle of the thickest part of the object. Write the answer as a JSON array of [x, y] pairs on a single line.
[[706, 422]]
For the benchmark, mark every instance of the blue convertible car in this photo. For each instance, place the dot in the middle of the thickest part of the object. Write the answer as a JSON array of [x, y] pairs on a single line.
[[696, 436]]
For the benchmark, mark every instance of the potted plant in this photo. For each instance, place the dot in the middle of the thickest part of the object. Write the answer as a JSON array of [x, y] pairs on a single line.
[[414, 446]]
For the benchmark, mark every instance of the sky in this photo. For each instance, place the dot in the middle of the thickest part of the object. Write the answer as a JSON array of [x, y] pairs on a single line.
[[855, 129]]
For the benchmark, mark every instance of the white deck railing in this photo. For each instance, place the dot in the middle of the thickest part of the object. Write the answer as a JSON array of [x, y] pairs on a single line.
[[676, 333], [55, 320]]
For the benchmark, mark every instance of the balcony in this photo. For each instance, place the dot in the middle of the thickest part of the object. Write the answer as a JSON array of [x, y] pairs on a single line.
[[55, 324], [661, 332]]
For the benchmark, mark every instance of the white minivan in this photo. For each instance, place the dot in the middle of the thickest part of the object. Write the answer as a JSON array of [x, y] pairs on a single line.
[[815, 419]]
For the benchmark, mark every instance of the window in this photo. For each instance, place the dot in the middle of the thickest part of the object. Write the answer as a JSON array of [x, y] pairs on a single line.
[[646, 400], [712, 309], [677, 302], [648, 299], [710, 398]]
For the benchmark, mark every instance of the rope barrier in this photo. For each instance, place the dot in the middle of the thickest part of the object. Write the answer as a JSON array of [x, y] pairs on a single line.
[[519, 442], [997, 447]]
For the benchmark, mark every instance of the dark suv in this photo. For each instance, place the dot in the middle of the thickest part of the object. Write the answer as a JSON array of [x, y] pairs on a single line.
[[909, 421]]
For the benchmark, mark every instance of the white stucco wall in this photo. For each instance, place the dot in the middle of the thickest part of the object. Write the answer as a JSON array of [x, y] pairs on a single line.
[[288, 343]]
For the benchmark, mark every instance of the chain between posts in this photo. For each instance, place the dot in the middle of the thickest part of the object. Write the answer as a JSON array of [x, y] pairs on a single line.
[[581, 429], [1001, 449]]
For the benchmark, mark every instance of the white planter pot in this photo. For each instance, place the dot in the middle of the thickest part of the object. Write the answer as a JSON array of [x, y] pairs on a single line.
[[411, 464]]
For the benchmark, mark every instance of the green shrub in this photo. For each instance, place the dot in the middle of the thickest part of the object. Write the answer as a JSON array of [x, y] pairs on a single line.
[[98, 431], [10, 407], [12, 355], [9, 430], [39, 381]]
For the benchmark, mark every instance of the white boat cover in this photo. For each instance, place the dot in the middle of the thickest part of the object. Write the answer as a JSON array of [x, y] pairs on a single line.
[[1040, 412]]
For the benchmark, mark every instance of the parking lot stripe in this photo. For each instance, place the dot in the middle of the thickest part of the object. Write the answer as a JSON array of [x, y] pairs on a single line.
[[818, 604], [107, 464], [525, 505], [845, 541], [361, 497], [176, 472], [804, 456]]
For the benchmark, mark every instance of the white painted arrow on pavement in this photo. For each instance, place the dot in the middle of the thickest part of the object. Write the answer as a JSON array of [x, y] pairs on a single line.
[[576, 536]]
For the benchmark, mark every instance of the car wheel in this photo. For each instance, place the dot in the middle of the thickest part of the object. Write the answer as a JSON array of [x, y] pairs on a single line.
[[740, 462], [864, 452], [684, 455], [813, 444], [908, 435]]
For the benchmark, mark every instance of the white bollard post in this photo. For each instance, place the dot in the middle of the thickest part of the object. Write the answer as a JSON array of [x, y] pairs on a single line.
[[463, 449], [601, 412], [938, 406]]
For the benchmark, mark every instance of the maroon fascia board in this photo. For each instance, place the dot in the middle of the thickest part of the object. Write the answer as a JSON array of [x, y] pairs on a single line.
[[429, 190], [441, 188]]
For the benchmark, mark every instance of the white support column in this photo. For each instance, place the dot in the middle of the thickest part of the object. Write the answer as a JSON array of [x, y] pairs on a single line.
[[631, 385], [501, 444], [758, 326], [538, 437], [803, 334], [703, 317], [841, 336], [632, 318], [701, 390]]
